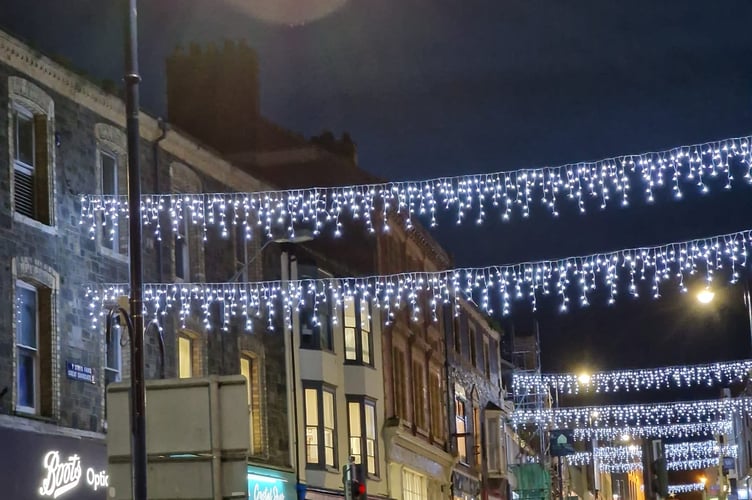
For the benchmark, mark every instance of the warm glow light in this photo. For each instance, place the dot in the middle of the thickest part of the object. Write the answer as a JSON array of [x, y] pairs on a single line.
[[703, 480], [705, 296], [584, 378], [625, 437], [288, 12]]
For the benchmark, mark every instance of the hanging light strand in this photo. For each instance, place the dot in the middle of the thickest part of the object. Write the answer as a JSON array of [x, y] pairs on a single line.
[[467, 198], [685, 488], [656, 431], [699, 449], [564, 278], [682, 376], [634, 414]]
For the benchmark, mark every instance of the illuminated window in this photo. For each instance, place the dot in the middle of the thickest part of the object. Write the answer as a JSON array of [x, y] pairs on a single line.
[[320, 422], [27, 348], [249, 368], [460, 415], [185, 356], [33, 341], [113, 181], [357, 324], [414, 486], [361, 414]]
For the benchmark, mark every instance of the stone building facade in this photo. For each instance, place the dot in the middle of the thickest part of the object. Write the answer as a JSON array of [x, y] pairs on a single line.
[[63, 137], [478, 404]]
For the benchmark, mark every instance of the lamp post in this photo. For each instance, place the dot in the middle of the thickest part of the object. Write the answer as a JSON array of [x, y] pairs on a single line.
[[137, 393]]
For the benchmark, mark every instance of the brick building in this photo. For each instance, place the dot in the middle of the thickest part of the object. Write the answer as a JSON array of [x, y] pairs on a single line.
[[64, 136]]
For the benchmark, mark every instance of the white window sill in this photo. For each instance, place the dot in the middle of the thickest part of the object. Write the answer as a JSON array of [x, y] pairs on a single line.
[[51, 230]]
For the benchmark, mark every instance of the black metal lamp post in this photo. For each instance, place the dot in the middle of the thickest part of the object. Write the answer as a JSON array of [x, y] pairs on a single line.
[[138, 394]]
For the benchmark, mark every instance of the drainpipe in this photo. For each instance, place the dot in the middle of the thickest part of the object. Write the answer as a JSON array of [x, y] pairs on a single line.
[[449, 401]]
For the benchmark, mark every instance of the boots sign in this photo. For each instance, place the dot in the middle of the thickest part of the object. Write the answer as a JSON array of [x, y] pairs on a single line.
[[38, 466], [61, 477]]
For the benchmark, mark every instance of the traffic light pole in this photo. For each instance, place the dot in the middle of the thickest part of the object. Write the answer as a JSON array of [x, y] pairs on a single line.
[[138, 394]]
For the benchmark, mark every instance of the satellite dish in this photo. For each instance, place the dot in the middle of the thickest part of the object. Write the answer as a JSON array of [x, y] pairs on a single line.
[[288, 12]]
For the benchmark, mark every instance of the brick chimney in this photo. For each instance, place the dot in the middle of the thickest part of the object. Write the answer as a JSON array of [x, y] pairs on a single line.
[[213, 95]]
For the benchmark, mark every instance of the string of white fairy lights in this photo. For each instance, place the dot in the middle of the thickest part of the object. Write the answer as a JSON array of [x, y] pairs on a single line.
[[672, 466], [465, 197], [685, 488], [635, 380], [586, 458], [679, 456], [517, 282], [656, 431], [633, 414]]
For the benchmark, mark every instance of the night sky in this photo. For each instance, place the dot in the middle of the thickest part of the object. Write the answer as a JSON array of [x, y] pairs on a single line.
[[448, 87]]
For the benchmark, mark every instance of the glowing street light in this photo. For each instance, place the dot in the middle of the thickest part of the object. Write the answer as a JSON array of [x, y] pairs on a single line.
[[705, 296], [584, 378]]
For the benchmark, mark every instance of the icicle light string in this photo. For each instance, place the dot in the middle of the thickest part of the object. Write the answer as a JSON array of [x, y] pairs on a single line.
[[676, 489], [674, 452], [673, 466], [635, 380], [467, 197], [635, 414], [698, 449], [655, 431], [529, 282]]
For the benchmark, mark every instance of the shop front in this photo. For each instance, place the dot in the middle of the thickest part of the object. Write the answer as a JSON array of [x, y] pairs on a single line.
[[270, 484], [37, 465], [465, 487]]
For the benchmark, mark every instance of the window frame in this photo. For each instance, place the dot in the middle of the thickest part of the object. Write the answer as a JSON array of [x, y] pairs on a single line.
[[30, 170], [36, 383], [182, 245], [320, 390], [315, 340], [460, 417], [253, 395], [493, 444], [356, 302], [184, 336], [473, 351], [418, 369], [110, 242], [363, 403], [412, 478], [486, 357], [114, 341], [436, 415], [399, 383]]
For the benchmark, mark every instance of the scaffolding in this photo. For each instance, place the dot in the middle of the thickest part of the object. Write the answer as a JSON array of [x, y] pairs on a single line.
[[526, 362]]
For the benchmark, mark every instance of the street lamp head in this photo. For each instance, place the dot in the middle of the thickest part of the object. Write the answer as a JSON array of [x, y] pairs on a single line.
[[584, 378], [703, 480], [625, 437], [705, 296]]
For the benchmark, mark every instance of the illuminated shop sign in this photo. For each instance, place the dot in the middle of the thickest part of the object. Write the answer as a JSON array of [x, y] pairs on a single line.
[[266, 488], [51, 466], [63, 476]]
